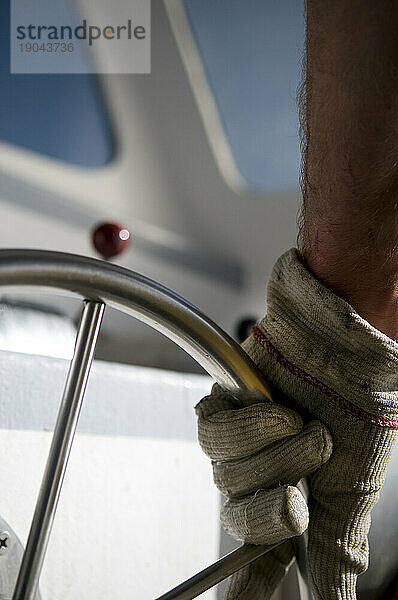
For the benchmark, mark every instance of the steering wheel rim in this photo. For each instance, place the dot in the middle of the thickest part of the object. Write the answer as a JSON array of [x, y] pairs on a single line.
[[100, 283], [143, 298]]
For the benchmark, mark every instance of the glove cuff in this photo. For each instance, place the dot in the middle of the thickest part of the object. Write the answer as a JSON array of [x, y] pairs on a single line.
[[323, 337]]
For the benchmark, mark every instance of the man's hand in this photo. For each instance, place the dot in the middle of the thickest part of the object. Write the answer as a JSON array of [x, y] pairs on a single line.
[[328, 365], [259, 453]]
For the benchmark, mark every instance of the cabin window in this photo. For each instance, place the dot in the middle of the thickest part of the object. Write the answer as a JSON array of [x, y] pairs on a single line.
[[252, 54], [61, 116]]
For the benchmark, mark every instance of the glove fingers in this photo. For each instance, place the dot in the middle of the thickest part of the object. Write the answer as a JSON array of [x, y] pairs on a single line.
[[284, 462], [266, 517], [232, 434], [261, 578]]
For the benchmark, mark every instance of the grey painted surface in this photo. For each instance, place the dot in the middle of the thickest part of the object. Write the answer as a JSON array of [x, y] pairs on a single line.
[[155, 242], [34, 329], [116, 403]]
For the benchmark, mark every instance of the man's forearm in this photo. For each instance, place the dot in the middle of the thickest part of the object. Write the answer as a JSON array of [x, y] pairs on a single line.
[[349, 235]]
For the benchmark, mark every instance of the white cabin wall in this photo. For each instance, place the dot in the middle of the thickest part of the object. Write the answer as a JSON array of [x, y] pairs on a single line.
[[139, 512]]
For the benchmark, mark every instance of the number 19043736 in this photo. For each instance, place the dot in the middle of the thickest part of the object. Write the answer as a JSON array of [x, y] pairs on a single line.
[[47, 47]]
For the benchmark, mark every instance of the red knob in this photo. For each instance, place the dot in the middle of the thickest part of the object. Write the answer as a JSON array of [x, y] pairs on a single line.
[[110, 239]]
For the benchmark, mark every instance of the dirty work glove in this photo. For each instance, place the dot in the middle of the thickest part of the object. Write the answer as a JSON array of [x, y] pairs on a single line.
[[326, 362], [258, 452]]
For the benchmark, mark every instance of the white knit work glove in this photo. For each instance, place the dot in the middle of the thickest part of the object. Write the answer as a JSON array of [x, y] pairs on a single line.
[[341, 374]]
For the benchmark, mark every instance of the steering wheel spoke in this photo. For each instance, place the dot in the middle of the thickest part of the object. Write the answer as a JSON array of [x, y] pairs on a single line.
[[57, 461]]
